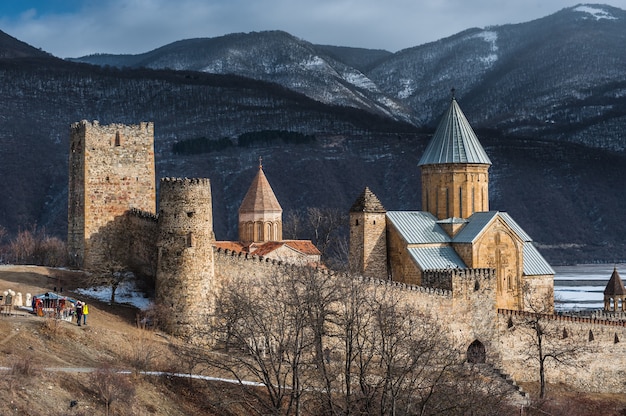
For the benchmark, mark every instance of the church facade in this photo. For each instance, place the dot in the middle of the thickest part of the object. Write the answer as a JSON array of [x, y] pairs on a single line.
[[455, 229]]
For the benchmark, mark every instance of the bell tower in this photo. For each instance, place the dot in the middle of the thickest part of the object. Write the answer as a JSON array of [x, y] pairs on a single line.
[[455, 169], [260, 214], [368, 236]]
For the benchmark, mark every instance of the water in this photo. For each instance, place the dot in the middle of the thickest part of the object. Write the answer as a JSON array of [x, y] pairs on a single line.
[[581, 287]]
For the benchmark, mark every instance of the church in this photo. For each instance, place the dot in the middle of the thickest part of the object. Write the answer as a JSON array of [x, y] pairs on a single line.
[[261, 228], [455, 228]]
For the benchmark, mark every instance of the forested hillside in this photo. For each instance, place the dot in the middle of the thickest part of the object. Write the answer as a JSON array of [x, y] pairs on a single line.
[[566, 192]]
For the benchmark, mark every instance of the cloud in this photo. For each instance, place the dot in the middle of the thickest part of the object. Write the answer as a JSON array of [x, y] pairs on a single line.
[[120, 26]]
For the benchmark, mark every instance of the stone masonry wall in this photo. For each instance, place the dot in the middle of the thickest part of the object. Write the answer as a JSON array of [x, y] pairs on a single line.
[[142, 229], [469, 318], [599, 364], [455, 190], [185, 275], [403, 268], [368, 243], [112, 170]]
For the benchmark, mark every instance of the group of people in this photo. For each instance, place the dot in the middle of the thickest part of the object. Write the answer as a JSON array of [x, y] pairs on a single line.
[[82, 310]]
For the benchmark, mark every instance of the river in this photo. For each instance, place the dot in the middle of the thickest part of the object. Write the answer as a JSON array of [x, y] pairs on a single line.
[[581, 287]]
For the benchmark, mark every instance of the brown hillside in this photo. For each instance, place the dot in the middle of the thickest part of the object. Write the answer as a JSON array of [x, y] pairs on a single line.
[[31, 345], [48, 364]]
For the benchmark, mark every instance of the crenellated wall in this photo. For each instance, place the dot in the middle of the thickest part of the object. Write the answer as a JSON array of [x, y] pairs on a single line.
[[598, 359], [112, 214]]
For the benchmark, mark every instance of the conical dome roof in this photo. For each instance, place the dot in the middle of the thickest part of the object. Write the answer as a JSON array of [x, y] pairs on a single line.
[[367, 202], [454, 141], [260, 196], [615, 285]]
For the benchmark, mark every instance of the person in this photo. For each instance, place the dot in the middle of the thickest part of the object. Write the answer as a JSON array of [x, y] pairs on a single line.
[[85, 313], [79, 312]]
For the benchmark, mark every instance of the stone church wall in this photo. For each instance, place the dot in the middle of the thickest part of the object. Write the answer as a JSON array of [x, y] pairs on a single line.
[[403, 268]]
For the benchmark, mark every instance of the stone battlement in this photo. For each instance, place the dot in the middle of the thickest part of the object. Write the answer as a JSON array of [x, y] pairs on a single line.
[[186, 181], [240, 256], [445, 278], [592, 320], [86, 124], [138, 213]]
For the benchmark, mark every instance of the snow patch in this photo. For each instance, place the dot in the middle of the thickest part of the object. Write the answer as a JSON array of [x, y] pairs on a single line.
[[595, 12], [490, 37], [359, 80], [126, 293], [407, 88]]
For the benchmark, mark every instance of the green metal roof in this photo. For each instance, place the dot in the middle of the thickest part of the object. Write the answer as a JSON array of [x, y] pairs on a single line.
[[418, 227], [433, 258], [454, 141]]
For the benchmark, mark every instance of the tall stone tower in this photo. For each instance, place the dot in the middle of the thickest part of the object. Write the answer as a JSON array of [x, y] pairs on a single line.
[[185, 266], [368, 236], [455, 169], [111, 170], [260, 214]]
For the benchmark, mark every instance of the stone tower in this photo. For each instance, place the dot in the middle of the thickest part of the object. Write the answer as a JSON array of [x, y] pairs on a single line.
[[260, 214], [111, 172], [368, 236], [185, 266], [455, 169], [615, 294]]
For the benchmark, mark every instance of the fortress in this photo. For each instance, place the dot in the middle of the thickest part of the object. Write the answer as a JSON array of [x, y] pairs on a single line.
[[474, 270]]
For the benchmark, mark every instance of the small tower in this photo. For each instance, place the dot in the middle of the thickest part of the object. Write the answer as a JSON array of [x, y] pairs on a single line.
[[368, 236], [111, 171], [185, 268], [260, 214], [455, 169], [615, 294]]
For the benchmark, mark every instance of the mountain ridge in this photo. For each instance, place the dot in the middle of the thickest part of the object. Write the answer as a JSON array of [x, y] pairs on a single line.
[[563, 190], [561, 72]]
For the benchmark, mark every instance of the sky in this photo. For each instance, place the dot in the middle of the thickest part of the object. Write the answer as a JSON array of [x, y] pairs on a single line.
[[73, 28]]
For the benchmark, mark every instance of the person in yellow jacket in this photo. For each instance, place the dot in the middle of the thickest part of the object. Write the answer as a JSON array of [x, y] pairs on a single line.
[[85, 313]]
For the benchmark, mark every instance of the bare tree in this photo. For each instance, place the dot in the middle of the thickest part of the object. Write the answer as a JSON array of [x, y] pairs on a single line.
[[325, 343], [547, 341], [111, 271], [292, 225], [111, 387], [34, 246], [325, 227], [264, 320]]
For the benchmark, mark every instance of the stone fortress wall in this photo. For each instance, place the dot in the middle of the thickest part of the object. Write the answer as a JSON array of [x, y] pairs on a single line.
[[598, 362], [177, 245]]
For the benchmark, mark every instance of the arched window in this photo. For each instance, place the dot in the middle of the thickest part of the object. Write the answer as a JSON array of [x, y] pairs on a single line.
[[476, 353]]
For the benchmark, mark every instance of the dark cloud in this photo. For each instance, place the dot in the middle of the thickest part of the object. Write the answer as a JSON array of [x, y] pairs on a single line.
[[119, 26]]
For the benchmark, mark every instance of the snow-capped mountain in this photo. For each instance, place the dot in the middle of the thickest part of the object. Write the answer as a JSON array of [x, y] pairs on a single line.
[[559, 77], [273, 56]]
